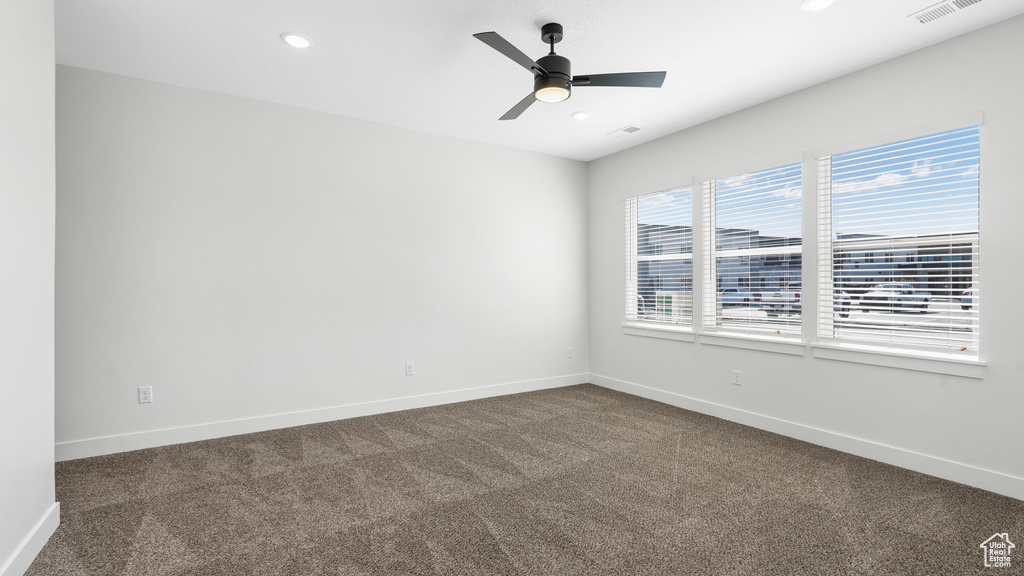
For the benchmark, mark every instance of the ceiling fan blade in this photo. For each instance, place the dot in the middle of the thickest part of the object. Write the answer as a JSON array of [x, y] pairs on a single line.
[[494, 40], [519, 108], [632, 79]]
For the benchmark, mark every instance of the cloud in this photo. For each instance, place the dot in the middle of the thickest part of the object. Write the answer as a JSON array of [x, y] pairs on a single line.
[[885, 180], [668, 198], [741, 181], [790, 193], [759, 177], [970, 173], [922, 168]]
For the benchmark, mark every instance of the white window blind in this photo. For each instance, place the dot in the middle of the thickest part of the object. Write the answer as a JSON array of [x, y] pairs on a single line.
[[752, 242], [659, 257], [898, 243]]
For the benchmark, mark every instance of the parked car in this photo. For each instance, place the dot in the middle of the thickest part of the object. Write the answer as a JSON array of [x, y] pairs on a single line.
[[841, 302], [642, 311], [782, 301], [967, 299], [735, 296], [893, 296]]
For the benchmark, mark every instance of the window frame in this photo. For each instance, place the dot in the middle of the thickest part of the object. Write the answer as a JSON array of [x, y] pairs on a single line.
[[825, 315], [808, 343], [643, 326], [764, 331]]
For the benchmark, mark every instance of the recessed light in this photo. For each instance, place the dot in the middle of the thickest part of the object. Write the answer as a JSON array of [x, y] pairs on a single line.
[[295, 40], [815, 5], [581, 115]]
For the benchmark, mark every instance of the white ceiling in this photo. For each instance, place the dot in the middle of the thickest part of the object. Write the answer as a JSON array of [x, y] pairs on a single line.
[[415, 64]]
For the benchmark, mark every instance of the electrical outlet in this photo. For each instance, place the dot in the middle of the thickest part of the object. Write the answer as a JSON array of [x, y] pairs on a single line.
[[736, 378], [408, 369], [569, 354], [145, 394]]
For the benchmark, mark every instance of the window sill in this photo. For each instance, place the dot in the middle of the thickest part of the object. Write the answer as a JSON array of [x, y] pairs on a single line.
[[664, 331], [765, 343], [791, 346], [935, 362], [920, 361]]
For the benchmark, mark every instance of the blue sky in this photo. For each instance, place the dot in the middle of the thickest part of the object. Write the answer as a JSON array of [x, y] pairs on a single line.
[[923, 185], [672, 207]]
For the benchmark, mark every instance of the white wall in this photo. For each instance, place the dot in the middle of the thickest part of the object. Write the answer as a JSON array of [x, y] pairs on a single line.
[[264, 266], [28, 513], [965, 429]]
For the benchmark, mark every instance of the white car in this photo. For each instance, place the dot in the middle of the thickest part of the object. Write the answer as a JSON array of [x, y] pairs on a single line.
[[894, 296], [734, 296], [966, 299], [782, 300], [642, 311], [841, 302]]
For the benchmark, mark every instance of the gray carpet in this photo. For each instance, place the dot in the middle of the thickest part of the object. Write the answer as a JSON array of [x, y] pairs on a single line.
[[577, 480]]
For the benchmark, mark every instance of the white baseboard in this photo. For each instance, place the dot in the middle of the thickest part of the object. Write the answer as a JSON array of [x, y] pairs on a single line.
[[152, 438], [33, 543], [990, 480]]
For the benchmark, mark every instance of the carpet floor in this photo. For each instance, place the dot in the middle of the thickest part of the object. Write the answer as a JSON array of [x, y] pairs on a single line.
[[575, 481]]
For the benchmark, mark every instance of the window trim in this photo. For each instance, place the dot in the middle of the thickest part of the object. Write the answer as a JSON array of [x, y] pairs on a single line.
[[902, 358], [761, 343], [943, 124], [656, 330]]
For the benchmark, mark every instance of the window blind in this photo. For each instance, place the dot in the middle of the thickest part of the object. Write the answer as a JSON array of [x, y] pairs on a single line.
[[898, 243], [659, 257], [752, 252]]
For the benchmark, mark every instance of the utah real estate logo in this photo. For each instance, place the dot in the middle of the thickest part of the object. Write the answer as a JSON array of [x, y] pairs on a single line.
[[997, 550]]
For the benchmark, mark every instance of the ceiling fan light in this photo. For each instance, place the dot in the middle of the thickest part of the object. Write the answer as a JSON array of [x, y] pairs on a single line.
[[551, 89], [552, 94]]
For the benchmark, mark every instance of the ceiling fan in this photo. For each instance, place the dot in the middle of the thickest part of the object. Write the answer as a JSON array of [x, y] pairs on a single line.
[[553, 80]]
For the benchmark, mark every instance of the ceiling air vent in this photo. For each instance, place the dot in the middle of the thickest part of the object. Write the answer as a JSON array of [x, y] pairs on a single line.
[[941, 9], [624, 131]]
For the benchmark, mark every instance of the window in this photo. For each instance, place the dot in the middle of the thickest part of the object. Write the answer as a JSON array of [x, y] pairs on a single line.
[[752, 259], [659, 257], [916, 201]]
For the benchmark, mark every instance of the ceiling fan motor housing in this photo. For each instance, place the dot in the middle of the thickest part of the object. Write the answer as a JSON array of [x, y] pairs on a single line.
[[559, 73]]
